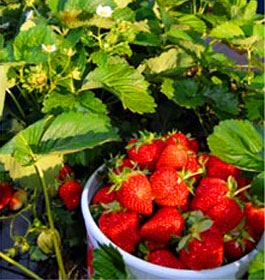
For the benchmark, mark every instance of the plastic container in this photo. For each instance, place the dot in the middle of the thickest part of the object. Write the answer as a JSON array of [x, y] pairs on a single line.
[[141, 269]]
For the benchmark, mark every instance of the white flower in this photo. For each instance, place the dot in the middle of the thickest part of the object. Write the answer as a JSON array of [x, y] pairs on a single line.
[[48, 48], [29, 14], [104, 11]]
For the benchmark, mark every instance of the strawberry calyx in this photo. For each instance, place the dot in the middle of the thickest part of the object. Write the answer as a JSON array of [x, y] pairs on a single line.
[[99, 208], [233, 191], [144, 138], [118, 179], [196, 223]]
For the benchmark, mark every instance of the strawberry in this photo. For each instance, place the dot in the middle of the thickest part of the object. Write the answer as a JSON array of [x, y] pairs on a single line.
[[204, 253], [165, 223], [122, 228], [133, 191], [234, 250], [178, 138], [193, 145], [226, 215], [174, 156], [104, 196], [165, 258], [203, 246], [238, 242], [255, 218], [214, 198], [6, 193], [19, 198], [145, 151], [70, 193], [121, 163], [152, 245], [65, 171], [168, 189], [216, 168]]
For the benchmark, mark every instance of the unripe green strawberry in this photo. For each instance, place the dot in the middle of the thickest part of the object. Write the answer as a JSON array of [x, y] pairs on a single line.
[[45, 240]]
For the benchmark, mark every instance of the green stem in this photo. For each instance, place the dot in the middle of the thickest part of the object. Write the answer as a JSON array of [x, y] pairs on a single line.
[[17, 103], [249, 66], [194, 7], [242, 189], [21, 267], [198, 114], [99, 38], [51, 223]]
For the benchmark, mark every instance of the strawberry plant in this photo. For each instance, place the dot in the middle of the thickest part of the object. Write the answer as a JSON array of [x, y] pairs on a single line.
[[79, 78]]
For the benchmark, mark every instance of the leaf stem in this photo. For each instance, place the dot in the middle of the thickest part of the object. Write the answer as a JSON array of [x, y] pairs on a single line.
[[17, 103], [21, 267], [51, 223], [249, 67]]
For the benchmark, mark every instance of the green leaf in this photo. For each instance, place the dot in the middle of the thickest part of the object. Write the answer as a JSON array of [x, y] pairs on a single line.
[[147, 39], [250, 9], [108, 263], [257, 186], [224, 102], [46, 141], [194, 22], [126, 83], [256, 267], [26, 176], [177, 33], [28, 44], [167, 60], [3, 87], [122, 3], [36, 254], [226, 30], [238, 142], [185, 93], [83, 101], [254, 104]]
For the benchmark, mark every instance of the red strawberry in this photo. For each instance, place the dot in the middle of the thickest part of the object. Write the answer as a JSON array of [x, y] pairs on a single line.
[[6, 193], [134, 192], [226, 215], [70, 192], [234, 250], [65, 171], [104, 196], [178, 138], [165, 258], [168, 189], [19, 198], [194, 145], [212, 197], [204, 253], [152, 245], [144, 151], [122, 228], [165, 223], [219, 169], [173, 156], [121, 163], [210, 192], [255, 218]]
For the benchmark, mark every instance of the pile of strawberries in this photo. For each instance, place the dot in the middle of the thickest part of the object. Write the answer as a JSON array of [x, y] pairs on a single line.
[[173, 206]]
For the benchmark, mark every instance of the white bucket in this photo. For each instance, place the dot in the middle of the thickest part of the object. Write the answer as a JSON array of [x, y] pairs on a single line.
[[141, 269]]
